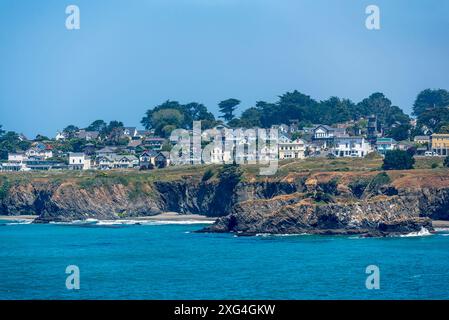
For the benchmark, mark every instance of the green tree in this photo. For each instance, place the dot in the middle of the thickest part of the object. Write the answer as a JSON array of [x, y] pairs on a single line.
[[2, 132], [444, 129], [334, 110], [70, 131], [399, 133], [97, 125], [11, 142], [446, 162], [434, 119], [166, 120], [379, 105], [40, 137], [190, 112], [148, 120], [227, 108], [398, 160], [429, 99], [251, 118]]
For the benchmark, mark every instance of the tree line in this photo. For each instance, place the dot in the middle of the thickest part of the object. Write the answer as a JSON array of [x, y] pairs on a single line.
[[431, 109]]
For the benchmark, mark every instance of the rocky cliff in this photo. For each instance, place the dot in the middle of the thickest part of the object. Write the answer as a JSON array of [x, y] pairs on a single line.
[[372, 203]]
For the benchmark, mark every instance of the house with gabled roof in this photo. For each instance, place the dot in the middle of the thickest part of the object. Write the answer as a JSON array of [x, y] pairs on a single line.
[[129, 132], [39, 152], [87, 135], [106, 151], [292, 149], [383, 145], [357, 147], [324, 135], [78, 161]]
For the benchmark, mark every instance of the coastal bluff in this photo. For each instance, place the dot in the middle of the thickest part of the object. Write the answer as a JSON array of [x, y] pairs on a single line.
[[366, 202]]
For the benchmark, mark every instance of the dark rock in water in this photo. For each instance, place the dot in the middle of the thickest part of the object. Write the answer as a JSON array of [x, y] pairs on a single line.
[[295, 215]]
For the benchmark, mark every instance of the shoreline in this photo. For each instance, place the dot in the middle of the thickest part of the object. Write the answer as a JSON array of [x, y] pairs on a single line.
[[173, 216], [166, 216], [440, 224], [176, 217], [19, 217]]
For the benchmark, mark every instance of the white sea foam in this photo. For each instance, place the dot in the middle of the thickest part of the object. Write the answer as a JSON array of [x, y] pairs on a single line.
[[18, 222], [282, 234], [421, 233], [442, 229]]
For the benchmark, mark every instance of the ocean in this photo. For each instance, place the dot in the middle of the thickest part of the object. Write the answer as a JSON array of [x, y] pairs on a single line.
[[170, 261]]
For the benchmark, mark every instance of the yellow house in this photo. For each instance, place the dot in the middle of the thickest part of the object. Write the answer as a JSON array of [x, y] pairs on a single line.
[[440, 143]]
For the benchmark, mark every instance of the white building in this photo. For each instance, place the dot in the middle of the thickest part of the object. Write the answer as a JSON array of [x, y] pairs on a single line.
[[60, 136], [292, 149], [351, 147], [79, 161], [17, 157], [115, 161], [39, 153], [16, 162]]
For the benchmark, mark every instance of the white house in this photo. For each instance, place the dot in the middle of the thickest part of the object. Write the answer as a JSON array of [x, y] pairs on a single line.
[[147, 159], [130, 132], [351, 147], [292, 149], [114, 161], [106, 151], [383, 145], [79, 161], [16, 162], [422, 139], [325, 135], [17, 157], [39, 153], [219, 155], [87, 135], [126, 162], [60, 136]]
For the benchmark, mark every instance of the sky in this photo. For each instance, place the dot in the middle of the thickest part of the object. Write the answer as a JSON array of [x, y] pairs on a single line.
[[130, 56]]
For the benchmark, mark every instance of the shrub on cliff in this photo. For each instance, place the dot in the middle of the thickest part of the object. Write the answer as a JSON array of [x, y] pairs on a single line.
[[398, 160], [369, 186], [329, 187], [446, 162], [4, 188], [358, 186], [207, 175], [230, 174], [378, 181]]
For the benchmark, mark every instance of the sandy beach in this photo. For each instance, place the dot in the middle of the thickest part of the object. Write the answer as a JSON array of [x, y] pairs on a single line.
[[440, 224], [15, 218], [173, 216]]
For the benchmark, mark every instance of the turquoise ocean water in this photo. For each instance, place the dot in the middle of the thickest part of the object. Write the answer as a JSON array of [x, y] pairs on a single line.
[[172, 262]]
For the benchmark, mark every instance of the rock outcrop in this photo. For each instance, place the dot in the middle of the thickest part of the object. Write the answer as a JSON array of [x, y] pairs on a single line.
[[295, 214]]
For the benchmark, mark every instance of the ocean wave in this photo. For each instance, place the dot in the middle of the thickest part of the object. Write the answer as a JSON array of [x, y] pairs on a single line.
[[442, 229], [18, 222], [421, 233]]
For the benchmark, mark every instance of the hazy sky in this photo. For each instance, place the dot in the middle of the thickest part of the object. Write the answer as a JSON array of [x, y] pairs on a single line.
[[129, 56]]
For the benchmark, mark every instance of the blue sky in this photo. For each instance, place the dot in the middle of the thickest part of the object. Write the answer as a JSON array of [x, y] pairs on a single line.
[[132, 55]]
